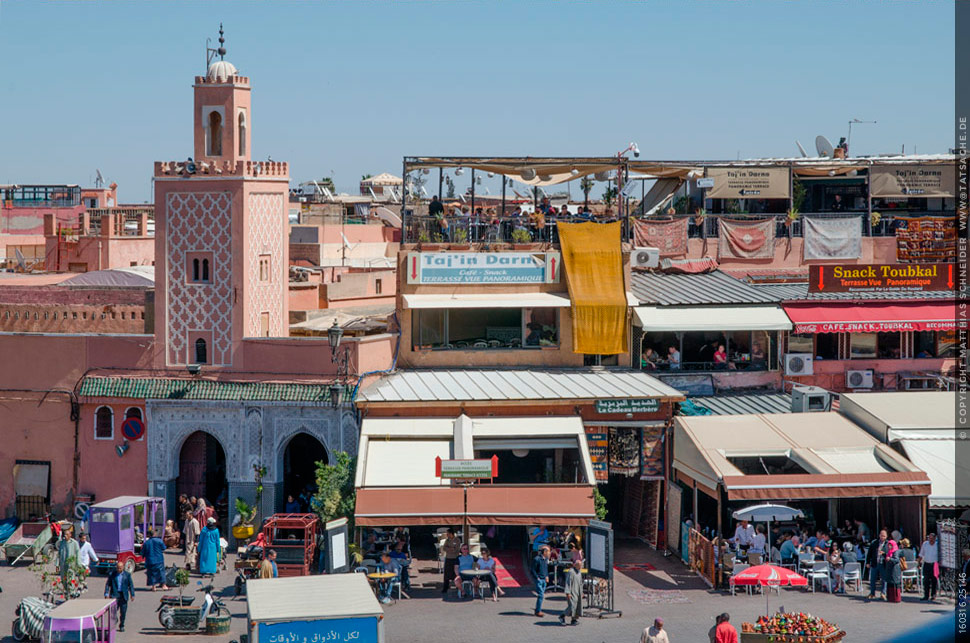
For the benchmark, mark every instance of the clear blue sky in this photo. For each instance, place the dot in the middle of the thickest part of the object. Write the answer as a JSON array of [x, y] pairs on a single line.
[[351, 87]]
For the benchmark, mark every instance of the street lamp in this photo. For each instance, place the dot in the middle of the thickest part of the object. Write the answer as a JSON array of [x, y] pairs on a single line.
[[335, 333]]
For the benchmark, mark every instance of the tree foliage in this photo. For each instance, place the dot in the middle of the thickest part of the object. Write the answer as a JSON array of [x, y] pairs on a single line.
[[336, 496], [599, 502]]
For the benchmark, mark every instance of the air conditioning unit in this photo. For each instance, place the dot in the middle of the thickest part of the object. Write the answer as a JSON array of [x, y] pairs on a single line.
[[799, 364], [645, 258], [809, 399], [859, 379]]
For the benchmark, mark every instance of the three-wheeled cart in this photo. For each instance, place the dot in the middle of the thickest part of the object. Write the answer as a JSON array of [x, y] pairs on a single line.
[[312, 608], [118, 527], [294, 537], [88, 620]]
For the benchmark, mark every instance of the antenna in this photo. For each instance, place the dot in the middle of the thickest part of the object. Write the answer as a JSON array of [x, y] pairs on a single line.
[[211, 53], [848, 139], [99, 180], [824, 146], [801, 149]]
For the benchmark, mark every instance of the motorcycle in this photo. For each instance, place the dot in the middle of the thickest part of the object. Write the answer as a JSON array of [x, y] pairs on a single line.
[[247, 564], [190, 619], [28, 622]]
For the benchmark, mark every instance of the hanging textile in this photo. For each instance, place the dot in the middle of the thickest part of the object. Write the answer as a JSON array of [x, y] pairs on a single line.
[[669, 236], [598, 439], [593, 259], [832, 238], [624, 451], [926, 239], [746, 239], [652, 458]]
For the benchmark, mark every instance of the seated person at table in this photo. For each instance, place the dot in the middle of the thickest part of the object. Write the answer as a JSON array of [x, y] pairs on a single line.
[[575, 553], [743, 535], [370, 545], [720, 357], [487, 563], [821, 547], [648, 360], [389, 565], [789, 549], [758, 540], [400, 555], [757, 353], [538, 537], [849, 554], [673, 358], [535, 334], [465, 562]]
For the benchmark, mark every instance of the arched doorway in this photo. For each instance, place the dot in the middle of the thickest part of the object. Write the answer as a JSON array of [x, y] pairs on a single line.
[[202, 471], [300, 465]]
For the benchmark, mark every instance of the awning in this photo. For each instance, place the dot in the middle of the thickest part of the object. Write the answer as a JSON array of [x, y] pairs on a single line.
[[816, 486], [937, 457], [487, 505], [718, 318], [487, 300], [871, 317]]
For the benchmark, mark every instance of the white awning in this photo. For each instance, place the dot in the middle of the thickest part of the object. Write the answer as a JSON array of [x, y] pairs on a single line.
[[487, 300], [403, 463], [938, 459], [720, 318]]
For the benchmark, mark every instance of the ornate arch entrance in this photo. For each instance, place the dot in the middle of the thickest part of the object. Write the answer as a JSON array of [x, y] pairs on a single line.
[[299, 470]]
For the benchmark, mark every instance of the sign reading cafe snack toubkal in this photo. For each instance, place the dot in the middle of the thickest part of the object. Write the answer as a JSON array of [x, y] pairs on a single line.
[[483, 267]]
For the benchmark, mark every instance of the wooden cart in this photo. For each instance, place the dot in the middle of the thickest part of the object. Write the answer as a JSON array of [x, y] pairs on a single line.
[[294, 537]]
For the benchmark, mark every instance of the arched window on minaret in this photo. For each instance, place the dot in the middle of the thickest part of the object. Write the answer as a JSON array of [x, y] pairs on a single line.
[[195, 270], [200, 352], [242, 134], [213, 143], [205, 270]]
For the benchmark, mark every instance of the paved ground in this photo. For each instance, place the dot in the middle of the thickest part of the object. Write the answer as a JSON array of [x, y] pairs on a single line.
[[429, 618]]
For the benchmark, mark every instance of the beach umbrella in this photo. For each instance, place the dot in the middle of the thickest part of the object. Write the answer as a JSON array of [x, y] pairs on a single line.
[[768, 575]]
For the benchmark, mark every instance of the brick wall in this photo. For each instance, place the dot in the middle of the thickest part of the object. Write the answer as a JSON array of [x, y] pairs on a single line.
[[68, 310]]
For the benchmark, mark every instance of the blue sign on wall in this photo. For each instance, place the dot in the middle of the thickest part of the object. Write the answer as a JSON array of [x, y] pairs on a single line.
[[342, 630], [483, 267]]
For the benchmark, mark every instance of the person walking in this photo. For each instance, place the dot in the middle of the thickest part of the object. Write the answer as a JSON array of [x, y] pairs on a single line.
[[929, 559], [574, 593], [655, 633], [209, 548], [153, 550], [190, 538], [725, 632], [267, 568], [540, 566], [894, 574], [120, 588], [451, 548], [86, 556], [67, 555]]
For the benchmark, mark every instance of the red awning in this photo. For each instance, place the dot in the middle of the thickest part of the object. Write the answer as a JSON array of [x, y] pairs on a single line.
[[868, 317]]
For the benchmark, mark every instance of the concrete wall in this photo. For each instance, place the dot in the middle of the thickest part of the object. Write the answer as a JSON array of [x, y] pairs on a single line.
[[54, 309], [788, 253], [830, 374]]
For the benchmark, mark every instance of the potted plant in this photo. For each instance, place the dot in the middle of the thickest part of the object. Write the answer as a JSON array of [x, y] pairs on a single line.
[[181, 579], [521, 239], [699, 215], [461, 240], [874, 219], [243, 525], [791, 217]]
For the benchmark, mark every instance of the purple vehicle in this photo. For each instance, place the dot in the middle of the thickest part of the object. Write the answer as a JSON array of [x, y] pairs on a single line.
[[83, 620], [118, 527]]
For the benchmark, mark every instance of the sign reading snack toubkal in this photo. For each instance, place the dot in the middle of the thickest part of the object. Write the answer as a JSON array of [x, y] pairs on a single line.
[[749, 183], [880, 278], [912, 180], [483, 267]]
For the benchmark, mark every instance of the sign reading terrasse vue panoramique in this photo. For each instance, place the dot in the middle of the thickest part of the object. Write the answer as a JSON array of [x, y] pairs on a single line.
[[880, 278], [483, 267]]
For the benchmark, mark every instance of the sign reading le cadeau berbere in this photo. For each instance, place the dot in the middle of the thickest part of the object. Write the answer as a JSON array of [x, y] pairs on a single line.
[[483, 267], [628, 405]]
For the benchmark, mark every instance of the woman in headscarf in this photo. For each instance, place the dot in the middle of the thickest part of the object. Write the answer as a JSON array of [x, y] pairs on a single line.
[[209, 548], [894, 574], [200, 512]]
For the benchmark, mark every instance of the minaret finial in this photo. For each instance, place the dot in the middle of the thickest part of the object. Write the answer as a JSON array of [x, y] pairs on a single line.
[[222, 43]]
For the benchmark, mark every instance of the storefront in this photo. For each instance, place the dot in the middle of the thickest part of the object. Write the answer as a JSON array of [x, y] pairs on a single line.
[[818, 462]]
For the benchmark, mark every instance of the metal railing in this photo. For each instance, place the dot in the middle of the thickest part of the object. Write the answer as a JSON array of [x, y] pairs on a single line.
[[459, 230]]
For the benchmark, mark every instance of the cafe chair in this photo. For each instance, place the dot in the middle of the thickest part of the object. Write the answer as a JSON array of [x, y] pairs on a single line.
[[805, 563], [754, 559], [482, 584], [361, 570], [912, 573], [820, 572], [852, 573], [738, 568]]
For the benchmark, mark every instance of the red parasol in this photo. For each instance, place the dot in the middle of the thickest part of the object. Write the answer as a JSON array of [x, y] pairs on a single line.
[[768, 575]]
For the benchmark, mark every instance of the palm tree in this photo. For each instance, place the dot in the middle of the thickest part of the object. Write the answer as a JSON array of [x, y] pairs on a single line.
[[586, 185]]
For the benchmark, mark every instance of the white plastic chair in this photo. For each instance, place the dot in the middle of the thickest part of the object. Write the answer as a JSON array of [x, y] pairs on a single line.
[[820, 572], [805, 563], [852, 573], [361, 570], [738, 568], [913, 573]]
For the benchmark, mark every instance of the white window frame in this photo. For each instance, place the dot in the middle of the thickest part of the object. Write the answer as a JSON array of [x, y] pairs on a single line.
[[112, 436]]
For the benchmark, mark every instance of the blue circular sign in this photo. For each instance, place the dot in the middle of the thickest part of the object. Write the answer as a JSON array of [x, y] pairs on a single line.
[[133, 428]]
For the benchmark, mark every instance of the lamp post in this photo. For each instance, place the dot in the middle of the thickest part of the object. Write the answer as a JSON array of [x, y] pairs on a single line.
[[341, 358]]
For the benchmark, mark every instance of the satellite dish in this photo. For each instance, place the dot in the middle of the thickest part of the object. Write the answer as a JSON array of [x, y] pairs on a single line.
[[801, 149], [545, 177], [602, 176], [824, 146], [21, 262]]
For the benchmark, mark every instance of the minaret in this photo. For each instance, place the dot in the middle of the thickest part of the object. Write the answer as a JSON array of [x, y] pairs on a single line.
[[221, 251]]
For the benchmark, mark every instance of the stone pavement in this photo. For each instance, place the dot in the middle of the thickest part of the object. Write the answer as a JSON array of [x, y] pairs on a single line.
[[682, 600]]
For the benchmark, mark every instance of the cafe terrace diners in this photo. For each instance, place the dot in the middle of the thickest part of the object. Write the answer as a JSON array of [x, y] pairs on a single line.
[[819, 462]]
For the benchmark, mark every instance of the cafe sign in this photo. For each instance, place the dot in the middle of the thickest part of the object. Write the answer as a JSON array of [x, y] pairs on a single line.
[[484, 267], [912, 180], [628, 405], [466, 469], [855, 278], [749, 183]]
